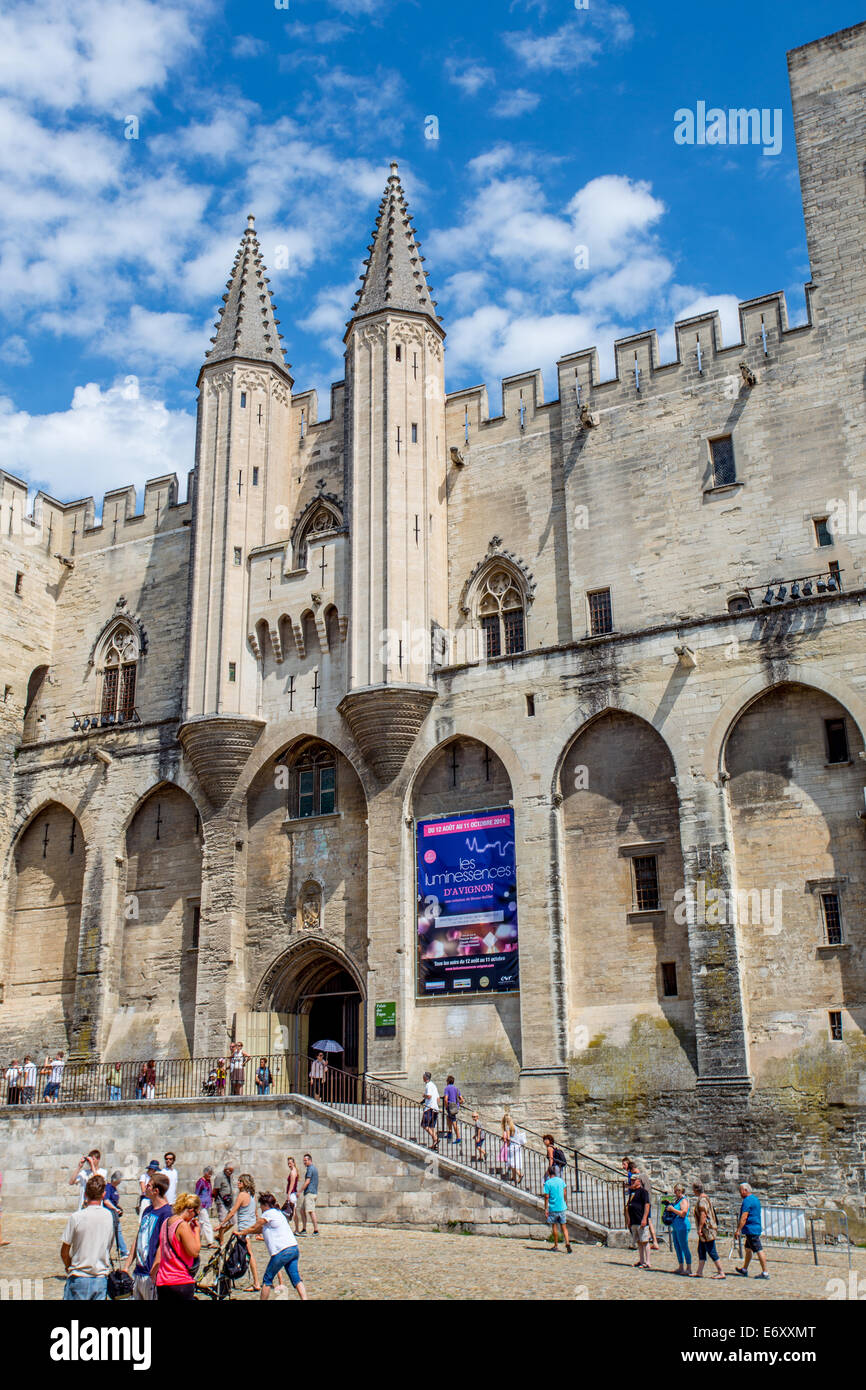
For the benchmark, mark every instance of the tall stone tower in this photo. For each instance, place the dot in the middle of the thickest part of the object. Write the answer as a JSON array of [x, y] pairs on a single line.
[[242, 488], [396, 490]]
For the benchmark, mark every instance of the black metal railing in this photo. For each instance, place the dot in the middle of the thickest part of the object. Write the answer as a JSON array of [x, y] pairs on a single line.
[[593, 1189]]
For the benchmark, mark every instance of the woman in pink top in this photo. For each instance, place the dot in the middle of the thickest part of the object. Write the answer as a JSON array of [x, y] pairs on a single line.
[[179, 1246]]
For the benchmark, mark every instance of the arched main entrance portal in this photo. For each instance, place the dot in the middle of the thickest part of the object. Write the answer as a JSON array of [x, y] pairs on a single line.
[[313, 994]]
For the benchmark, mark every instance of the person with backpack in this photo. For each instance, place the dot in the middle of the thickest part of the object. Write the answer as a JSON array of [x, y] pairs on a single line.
[[678, 1211], [244, 1207], [173, 1270], [708, 1226], [264, 1078], [556, 1160], [281, 1243]]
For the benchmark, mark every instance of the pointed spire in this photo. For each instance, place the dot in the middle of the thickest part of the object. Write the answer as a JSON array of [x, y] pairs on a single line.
[[246, 326], [394, 277]]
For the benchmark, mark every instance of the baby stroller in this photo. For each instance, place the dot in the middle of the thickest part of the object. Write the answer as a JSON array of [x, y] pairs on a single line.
[[222, 1270]]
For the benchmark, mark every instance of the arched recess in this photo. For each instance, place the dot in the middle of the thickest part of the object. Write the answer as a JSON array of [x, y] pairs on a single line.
[[631, 1004], [463, 776], [795, 790], [159, 912], [306, 826], [34, 712], [45, 919], [317, 992]]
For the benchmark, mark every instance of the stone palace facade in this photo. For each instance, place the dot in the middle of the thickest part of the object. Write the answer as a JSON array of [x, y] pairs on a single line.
[[631, 614]]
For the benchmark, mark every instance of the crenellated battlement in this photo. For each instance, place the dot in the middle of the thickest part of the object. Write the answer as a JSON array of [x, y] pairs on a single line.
[[70, 528], [639, 370]]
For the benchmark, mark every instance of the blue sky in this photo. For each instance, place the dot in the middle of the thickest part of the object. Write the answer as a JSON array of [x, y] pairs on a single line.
[[555, 131]]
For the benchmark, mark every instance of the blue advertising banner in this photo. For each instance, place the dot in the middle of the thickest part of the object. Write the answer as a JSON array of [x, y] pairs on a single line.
[[467, 905]]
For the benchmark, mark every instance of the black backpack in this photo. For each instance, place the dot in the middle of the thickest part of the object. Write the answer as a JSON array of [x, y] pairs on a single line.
[[236, 1259], [120, 1284]]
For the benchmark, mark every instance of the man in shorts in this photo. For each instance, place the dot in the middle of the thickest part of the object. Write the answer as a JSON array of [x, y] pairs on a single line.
[[430, 1115], [555, 1209], [282, 1245], [309, 1193], [146, 1244], [750, 1226], [638, 1219], [28, 1095]]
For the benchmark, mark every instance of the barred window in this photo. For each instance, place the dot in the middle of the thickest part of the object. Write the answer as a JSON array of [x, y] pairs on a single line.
[[832, 918], [119, 671], [513, 619], [724, 468], [490, 628], [600, 612], [646, 882], [836, 1025]]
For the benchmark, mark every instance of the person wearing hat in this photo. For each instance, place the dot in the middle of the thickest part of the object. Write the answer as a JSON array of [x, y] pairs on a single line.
[[143, 1182]]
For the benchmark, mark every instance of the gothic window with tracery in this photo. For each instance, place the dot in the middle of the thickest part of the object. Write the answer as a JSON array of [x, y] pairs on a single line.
[[119, 668], [501, 614], [321, 522]]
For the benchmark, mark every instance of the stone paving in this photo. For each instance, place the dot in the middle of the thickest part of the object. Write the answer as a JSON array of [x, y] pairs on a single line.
[[353, 1262]]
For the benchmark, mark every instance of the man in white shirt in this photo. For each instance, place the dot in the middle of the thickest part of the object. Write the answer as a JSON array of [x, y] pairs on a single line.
[[13, 1083], [54, 1070], [430, 1117], [88, 1167], [29, 1079], [171, 1173], [281, 1243], [86, 1244], [150, 1172]]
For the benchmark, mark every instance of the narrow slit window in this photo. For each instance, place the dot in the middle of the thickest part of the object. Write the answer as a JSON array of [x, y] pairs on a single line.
[[196, 924], [530, 706], [19, 580], [233, 671], [243, 400], [836, 1025], [237, 555], [255, 477], [414, 434], [398, 354], [669, 979]]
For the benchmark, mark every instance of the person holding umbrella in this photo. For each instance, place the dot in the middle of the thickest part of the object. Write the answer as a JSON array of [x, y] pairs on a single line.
[[318, 1076], [319, 1068]]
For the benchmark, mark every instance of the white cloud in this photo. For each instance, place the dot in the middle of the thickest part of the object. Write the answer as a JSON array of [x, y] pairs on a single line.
[[469, 77], [332, 308], [639, 282], [247, 46], [610, 214], [106, 439], [15, 350], [147, 337], [576, 43], [516, 103], [95, 53]]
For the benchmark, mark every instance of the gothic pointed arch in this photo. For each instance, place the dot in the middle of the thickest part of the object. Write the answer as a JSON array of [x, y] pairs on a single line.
[[115, 655], [321, 517], [496, 599]]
